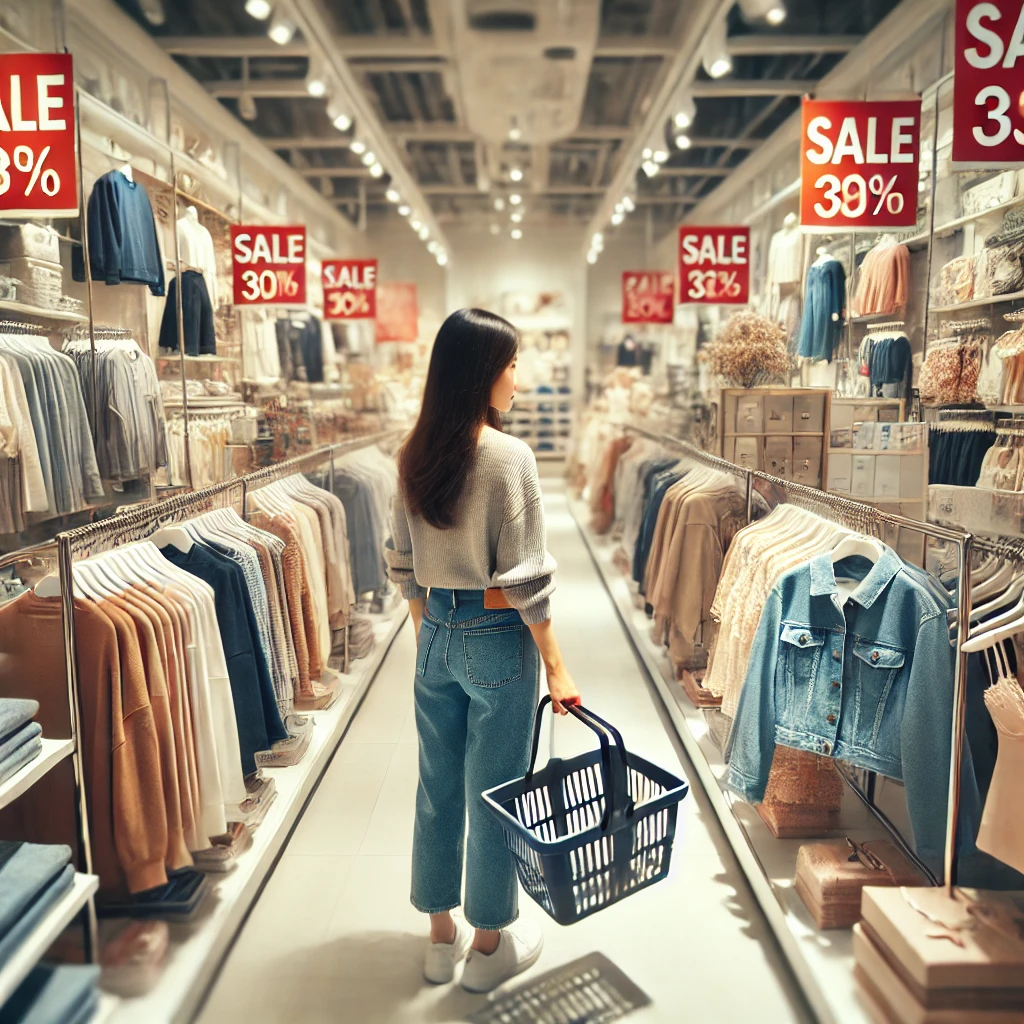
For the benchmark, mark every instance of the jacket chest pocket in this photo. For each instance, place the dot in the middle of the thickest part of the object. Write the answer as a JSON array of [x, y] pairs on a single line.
[[800, 651], [876, 669]]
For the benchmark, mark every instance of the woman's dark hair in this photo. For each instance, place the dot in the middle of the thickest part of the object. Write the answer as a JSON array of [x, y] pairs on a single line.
[[472, 349]]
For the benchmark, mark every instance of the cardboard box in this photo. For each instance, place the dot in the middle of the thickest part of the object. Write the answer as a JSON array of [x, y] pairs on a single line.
[[862, 479], [778, 414], [778, 455], [747, 452], [806, 466], [887, 476], [912, 483], [808, 413], [841, 426], [749, 415], [840, 473]]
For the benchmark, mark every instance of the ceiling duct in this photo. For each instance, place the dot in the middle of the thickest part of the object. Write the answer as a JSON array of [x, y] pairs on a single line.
[[523, 65]]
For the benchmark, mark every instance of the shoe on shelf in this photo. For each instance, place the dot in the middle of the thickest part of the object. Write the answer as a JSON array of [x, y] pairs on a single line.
[[519, 947], [442, 957]]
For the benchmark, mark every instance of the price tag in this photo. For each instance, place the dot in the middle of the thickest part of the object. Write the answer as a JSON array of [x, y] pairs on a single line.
[[350, 289], [648, 296], [988, 84], [38, 153], [268, 265], [714, 265], [859, 163]]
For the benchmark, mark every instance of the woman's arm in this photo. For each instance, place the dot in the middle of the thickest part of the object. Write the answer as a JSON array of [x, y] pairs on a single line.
[[560, 685], [416, 611]]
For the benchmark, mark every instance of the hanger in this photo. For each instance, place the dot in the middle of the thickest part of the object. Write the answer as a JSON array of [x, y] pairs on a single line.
[[126, 170], [858, 544], [789, 221], [175, 536], [48, 586]]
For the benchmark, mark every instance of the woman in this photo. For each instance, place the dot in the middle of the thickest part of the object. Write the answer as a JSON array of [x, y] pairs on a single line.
[[468, 550]]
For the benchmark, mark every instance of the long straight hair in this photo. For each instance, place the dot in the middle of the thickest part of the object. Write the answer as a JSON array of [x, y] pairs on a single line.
[[472, 349]]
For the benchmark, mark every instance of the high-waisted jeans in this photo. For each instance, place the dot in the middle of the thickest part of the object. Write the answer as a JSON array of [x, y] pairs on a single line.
[[477, 673]]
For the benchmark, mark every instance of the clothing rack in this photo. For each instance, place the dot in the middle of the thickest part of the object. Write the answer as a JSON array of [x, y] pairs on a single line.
[[958, 326], [19, 327], [887, 325], [1015, 317]]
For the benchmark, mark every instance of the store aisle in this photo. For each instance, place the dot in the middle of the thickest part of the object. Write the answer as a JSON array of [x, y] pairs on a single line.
[[334, 938]]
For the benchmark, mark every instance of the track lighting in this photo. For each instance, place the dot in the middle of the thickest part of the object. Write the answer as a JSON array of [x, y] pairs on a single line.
[[153, 11], [715, 56], [517, 233], [282, 29], [516, 174], [357, 146], [650, 168], [258, 9], [442, 258], [247, 107], [416, 224], [771, 11], [499, 204], [618, 218], [683, 141], [628, 204], [316, 79], [433, 246], [404, 210], [515, 199], [597, 241], [392, 196], [368, 158], [424, 233], [338, 112], [517, 217], [684, 110], [591, 257], [377, 169]]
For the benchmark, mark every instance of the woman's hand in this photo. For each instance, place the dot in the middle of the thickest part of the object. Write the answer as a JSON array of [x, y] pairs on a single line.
[[562, 689]]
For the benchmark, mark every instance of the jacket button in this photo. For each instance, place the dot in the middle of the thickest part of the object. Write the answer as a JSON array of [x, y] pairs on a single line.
[[835, 684], [804, 638], [831, 719], [874, 655]]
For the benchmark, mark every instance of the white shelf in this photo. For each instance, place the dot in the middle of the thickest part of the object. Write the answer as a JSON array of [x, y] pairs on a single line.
[[195, 955], [32, 950], [53, 752], [993, 300], [41, 312], [822, 961], [876, 451]]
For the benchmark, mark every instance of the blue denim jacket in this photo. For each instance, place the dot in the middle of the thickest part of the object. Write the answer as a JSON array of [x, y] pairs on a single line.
[[870, 683]]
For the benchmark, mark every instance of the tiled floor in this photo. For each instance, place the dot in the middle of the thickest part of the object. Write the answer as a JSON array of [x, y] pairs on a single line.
[[334, 938]]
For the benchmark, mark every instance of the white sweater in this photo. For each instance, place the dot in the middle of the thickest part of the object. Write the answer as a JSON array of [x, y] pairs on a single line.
[[498, 539]]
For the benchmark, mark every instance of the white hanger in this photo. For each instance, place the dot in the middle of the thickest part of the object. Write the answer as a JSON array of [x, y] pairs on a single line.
[[789, 221], [1007, 597], [48, 586], [127, 172], [994, 584], [175, 536], [857, 544]]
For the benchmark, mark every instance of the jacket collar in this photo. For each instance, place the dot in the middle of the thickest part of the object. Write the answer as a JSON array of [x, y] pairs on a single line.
[[823, 577]]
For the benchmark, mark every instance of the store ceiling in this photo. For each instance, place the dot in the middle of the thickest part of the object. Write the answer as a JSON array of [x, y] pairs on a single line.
[[452, 82]]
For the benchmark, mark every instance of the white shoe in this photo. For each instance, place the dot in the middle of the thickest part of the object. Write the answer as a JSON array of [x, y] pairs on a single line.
[[442, 957], [518, 949]]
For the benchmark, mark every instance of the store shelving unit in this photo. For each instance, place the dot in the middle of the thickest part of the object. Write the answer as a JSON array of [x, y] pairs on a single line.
[[992, 300], [53, 752], [32, 950], [57, 316]]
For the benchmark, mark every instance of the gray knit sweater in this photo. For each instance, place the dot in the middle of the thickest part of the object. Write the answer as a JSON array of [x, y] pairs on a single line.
[[498, 539]]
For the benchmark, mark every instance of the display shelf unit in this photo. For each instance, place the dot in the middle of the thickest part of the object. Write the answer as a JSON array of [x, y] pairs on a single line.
[[32, 950], [821, 961], [53, 752], [57, 316], [992, 300], [196, 953]]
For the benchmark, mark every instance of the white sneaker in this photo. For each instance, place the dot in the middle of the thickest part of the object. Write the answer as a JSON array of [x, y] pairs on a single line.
[[518, 949], [442, 957]]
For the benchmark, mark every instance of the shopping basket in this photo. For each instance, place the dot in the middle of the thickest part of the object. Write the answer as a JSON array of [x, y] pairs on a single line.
[[588, 831]]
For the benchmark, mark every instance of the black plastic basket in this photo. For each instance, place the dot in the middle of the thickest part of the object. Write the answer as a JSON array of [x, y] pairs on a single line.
[[588, 831]]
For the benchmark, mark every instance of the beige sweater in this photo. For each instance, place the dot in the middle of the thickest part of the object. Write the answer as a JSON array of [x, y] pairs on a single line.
[[498, 539]]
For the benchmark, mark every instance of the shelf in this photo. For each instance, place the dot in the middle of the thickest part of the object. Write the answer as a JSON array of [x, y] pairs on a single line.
[[53, 752], [875, 451], [196, 953], [777, 433], [32, 950], [41, 313], [173, 357], [994, 300], [822, 961]]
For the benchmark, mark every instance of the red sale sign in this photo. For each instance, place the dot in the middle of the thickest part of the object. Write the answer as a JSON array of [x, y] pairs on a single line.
[[714, 265], [648, 296], [268, 265], [859, 163], [38, 155], [988, 84], [350, 289]]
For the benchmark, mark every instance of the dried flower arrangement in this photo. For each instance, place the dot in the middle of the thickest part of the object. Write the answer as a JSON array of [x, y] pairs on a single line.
[[750, 351]]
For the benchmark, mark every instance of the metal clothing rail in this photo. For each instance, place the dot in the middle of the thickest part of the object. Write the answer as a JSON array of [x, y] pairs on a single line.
[[867, 519]]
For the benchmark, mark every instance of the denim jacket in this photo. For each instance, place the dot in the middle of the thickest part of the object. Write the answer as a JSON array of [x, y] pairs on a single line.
[[869, 683]]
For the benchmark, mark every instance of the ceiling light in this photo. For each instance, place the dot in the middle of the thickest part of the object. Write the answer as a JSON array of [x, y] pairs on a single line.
[[415, 224], [771, 11], [247, 107], [591, 257], [618, 218], [442, 258], [433, 245], [517, 233], [655, 149], [776, 15], [282, 29], [357, 146], [514, 132], [499, 204], [515, 199], [650, 168], [258, 9], [369, 157], [404, 210], [627, 204], [424, 233], [338, 112], [153, 11], [495, 229], [715, 56], [684, 110], [316, 80], [619, 207], [597, 241], [683, 141], [392, 196], [516, 174], [377, 169], [517, 217]]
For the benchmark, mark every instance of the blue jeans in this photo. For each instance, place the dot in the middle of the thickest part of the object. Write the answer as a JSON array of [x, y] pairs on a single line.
[[477, 673]]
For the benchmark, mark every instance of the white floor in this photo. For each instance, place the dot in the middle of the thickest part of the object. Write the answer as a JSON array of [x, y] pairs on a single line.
[[334, 938]]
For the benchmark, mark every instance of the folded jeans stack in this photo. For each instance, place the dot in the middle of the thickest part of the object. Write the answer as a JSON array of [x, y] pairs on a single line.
[[33, 878], [54, 994], [20, 737]]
